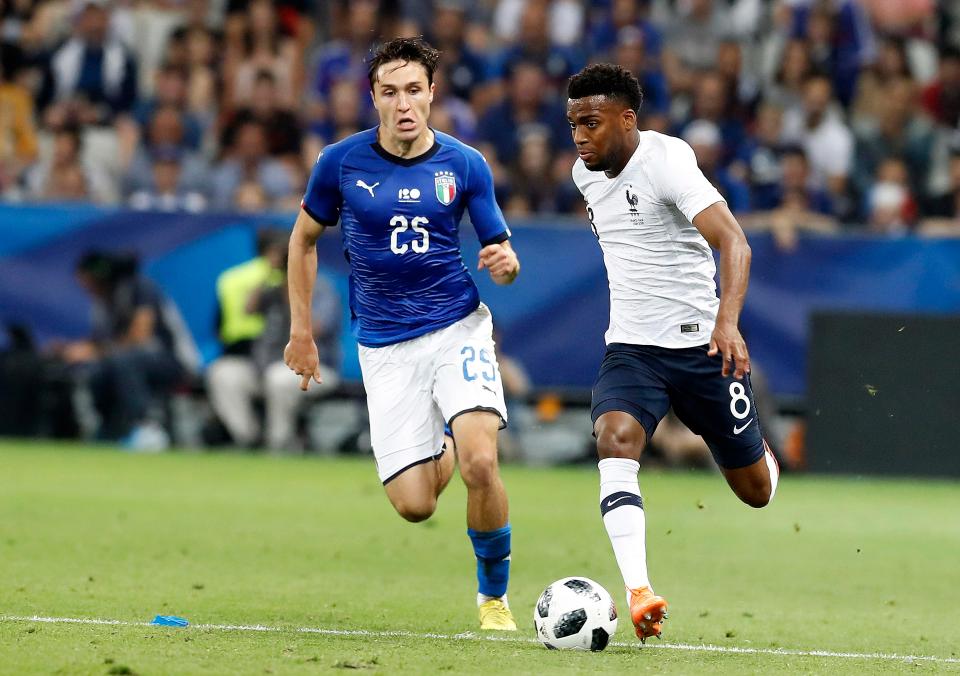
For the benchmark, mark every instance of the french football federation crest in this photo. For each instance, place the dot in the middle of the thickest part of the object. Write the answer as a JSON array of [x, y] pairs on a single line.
[[446, 186]]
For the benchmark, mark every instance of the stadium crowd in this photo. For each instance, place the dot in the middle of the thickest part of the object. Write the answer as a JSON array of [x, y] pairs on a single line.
[[819, 114]]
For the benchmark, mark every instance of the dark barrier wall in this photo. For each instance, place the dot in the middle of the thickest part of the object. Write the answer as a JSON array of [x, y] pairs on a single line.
[[884, 395], [552, 319]]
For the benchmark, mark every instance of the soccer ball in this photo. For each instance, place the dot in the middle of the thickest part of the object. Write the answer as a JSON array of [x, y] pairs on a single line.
[[577, 613]]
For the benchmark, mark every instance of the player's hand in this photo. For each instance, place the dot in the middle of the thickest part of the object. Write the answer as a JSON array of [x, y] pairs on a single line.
[[302, 357], [501, 261], [726, 340]]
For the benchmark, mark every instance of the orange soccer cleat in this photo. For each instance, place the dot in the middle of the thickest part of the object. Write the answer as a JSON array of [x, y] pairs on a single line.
[[648, 612]]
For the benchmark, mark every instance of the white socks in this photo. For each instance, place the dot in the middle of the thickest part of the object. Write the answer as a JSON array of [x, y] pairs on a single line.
[[622, 509]]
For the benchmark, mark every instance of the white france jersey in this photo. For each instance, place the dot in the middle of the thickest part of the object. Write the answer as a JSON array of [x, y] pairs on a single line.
[[659, 266]]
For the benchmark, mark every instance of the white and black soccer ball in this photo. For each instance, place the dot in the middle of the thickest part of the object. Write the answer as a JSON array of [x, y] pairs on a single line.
[[577, 613]]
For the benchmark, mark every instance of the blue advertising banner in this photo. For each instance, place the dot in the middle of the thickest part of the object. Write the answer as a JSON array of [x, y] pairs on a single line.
[[552, 319]]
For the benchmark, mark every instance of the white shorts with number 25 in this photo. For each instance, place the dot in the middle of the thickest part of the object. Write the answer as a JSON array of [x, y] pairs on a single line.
[[414, 387]]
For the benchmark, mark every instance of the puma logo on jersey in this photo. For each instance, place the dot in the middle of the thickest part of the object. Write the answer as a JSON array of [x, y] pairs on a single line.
[[368, 188]]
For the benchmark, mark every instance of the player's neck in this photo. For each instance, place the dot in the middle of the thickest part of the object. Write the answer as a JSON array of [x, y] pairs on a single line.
[[629, 149], [406, 149]]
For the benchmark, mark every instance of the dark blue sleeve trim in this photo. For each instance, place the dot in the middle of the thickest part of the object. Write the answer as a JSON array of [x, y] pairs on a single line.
[[322, 221], [502, 237]]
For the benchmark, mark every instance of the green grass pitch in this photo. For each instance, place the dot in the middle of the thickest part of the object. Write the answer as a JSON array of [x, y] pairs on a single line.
[[839, 565]]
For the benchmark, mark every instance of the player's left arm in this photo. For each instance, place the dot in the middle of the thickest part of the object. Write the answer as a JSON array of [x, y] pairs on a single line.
[[723, 233], [501, 260], [497, 255]]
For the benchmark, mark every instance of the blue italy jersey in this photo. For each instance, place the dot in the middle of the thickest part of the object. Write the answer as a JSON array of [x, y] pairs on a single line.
[[400, 221]]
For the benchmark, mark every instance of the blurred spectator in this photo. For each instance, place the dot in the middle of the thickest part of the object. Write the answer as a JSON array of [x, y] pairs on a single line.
[[795, 181], [704, 137], [874, 82], [900, 131], [692, 38], [947, 204], [626, 16], [344, 59], [841, 40], [888, 203], [283, 398], [527, 102], [138, 350], [453, 116], [820, 130], [941, 98], [93, 77], [345, 116], [18, 136], [462, 72], [166, 136], [168, 191], [561, 21], [254, 326], [743, 89], [261, 47], [247, 160], [64, 176], [786, 88], [282, 127], [170, 91], [711, 102], [794, 204], [631, 52], [532, 188], [761, 157], [532, 44], [233, 374], [201, 56]]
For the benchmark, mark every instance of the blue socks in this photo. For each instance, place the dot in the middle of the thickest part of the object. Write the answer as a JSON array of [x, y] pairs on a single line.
[[493, 560]]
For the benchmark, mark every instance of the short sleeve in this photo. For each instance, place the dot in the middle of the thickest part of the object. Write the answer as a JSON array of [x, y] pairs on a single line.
[[322, 199], [482, 204], [682, 183]]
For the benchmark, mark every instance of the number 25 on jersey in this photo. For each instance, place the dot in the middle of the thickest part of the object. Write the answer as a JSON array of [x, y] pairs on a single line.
[[419, 244]]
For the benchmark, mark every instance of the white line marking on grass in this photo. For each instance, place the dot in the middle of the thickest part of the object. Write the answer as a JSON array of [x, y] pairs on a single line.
[[470, 636]]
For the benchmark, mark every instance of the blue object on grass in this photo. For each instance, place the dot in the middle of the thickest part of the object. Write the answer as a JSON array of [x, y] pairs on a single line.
[[170, 621]]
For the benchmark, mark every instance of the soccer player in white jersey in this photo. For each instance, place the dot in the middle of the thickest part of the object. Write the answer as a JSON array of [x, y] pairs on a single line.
[[398, 191], [671, 340]]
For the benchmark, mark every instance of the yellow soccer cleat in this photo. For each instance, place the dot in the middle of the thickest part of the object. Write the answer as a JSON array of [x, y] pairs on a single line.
[[496, 616]]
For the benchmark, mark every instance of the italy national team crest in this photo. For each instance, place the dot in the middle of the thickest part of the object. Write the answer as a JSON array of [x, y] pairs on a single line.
[[446, 185]]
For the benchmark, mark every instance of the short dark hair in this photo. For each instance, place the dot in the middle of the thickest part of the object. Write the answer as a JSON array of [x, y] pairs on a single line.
[[607, 79], [411, 50]]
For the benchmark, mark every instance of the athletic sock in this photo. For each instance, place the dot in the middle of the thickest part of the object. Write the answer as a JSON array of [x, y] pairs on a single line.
[[492, 549], [622, 510]]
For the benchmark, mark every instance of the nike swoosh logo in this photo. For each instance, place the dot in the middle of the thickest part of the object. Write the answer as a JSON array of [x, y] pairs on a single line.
[[738, 430], [611, 503]]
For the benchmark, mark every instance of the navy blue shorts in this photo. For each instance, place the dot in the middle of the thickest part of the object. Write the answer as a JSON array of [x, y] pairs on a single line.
[[645, 381]]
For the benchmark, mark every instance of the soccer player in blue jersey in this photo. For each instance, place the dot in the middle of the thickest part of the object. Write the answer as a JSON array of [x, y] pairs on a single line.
[[427, 355]]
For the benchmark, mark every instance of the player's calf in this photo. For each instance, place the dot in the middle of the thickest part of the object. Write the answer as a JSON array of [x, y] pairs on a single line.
[[756, 484]]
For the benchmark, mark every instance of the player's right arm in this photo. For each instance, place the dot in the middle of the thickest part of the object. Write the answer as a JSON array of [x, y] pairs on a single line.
[[321, 207], [301, 352]]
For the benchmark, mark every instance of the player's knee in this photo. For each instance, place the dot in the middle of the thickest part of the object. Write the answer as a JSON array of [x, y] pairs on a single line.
[[616, 441], [478, 469], [416, 510]]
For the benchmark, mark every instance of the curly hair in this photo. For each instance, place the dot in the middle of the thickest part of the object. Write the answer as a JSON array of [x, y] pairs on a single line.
[[607, 79], [410, 50]]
